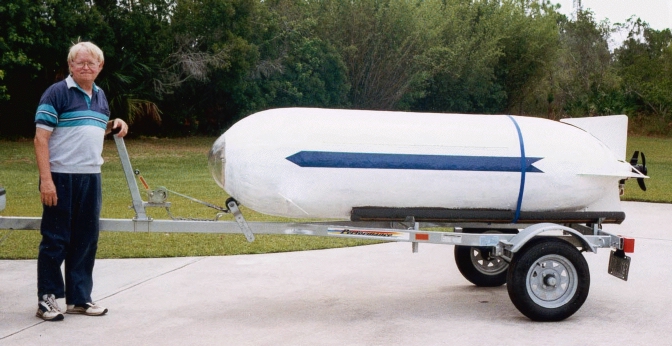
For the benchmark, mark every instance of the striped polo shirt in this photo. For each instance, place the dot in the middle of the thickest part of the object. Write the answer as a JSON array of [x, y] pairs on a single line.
[[77, 123]]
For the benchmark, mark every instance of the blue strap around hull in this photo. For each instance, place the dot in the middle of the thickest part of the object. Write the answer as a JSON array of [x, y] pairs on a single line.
[[523, 169]]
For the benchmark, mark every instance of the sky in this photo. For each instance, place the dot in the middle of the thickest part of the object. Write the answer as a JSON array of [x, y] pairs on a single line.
[[658, 13]]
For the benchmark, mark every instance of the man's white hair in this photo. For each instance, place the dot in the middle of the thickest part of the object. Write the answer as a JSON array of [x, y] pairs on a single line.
[[86, 46]]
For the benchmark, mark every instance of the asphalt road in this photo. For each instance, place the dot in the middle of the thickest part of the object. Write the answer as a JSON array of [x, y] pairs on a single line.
[[371, 295]]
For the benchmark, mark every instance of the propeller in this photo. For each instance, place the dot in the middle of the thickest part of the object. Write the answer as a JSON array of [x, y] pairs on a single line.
[[641, 168]]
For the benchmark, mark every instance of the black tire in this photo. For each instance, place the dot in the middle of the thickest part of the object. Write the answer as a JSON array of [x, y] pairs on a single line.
[[477, 266], [548, 280]]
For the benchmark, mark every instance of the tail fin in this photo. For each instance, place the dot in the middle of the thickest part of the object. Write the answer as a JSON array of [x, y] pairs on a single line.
[[612, 130]]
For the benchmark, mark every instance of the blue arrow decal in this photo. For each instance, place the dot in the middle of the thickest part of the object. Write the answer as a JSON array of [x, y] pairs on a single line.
[[330, 159]]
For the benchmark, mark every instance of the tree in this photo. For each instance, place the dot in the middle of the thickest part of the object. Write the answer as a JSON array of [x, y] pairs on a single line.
[[4, 96], [459, 64], [21, 34], [582, 81], [209, 66], [136, 44], [378, 41], [200, 65], [645, 65], [34, 40], [529, 49], [296, 66]]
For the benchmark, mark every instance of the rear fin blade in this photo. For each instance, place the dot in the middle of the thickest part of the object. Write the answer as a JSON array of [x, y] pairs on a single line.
[[612, 130]]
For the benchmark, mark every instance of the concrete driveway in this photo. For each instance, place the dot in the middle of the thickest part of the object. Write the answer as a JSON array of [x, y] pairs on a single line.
[[371, 295]]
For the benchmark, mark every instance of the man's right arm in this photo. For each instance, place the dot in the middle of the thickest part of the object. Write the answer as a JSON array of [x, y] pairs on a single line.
[[47, 187]]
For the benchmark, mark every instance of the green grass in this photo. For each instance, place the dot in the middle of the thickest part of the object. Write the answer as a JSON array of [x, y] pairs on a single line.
[[181, 166], [178, 164], [659, 163]]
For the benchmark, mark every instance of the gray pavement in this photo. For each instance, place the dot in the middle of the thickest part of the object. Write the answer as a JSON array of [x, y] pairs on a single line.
[[371, 295]]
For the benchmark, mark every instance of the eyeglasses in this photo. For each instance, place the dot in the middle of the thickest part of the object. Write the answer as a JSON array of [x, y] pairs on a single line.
[[91, 65]]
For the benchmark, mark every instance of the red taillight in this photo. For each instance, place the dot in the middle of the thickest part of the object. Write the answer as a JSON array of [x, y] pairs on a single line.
[[628, 245]]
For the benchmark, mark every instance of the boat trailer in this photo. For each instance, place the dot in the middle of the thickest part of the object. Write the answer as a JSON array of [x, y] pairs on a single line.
[[539, 257]]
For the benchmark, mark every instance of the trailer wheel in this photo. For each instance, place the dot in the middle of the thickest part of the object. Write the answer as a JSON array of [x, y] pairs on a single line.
[[478, 266], [548, 279]]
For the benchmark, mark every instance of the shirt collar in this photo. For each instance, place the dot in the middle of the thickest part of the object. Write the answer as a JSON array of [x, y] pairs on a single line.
[[72, 84]]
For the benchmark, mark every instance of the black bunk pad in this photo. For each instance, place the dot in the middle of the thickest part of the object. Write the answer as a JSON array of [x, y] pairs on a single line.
[[480, 215]]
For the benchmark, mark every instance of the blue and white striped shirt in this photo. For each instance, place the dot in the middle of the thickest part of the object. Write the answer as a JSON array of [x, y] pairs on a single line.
[[78, 124]]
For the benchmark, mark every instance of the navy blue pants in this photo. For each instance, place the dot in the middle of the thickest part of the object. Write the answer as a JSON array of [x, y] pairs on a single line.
[[70, 233]]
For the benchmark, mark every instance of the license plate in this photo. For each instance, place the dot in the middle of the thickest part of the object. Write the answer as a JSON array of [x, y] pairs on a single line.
[[619, 265]]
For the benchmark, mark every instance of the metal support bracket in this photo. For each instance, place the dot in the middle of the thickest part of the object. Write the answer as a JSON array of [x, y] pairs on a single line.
[[416, 227]]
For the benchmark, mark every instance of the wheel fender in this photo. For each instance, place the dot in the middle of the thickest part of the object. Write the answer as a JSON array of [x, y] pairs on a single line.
[[519, 240]]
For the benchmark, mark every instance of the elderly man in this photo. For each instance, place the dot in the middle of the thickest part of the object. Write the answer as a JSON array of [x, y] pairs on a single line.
[[72, 120]]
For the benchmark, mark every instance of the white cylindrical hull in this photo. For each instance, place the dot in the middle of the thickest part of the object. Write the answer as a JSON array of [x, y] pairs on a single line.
[[321, 163]]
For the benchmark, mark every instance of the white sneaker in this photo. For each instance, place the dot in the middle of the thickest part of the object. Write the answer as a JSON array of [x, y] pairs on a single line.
[[48, 310], [89, 309]]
